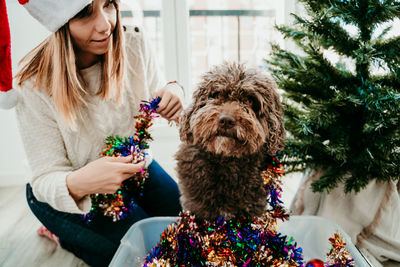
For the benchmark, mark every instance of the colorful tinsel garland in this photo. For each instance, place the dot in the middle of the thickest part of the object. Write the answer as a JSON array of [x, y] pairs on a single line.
[[119, 204], [338, 256], [235, 242], [245, 241]]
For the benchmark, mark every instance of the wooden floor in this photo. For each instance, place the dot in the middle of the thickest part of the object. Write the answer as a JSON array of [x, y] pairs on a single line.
[[20, 245]]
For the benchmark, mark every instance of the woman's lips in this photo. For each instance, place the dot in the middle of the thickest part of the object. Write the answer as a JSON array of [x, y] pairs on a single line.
[[102, 41]]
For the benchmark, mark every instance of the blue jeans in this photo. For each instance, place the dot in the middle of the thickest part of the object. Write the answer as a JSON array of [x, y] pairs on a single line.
[[97, 242]]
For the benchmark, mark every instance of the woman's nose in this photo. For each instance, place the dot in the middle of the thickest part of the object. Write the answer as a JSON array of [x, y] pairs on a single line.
[[102, 23]]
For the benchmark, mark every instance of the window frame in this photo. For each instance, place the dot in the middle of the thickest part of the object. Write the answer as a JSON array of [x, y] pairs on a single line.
[[175, 20]]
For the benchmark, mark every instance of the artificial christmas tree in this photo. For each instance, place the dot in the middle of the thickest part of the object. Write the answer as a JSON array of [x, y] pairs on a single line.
[[343, 118]]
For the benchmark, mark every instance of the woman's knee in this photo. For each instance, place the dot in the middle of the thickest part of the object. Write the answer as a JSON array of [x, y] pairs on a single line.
[[160, 180]]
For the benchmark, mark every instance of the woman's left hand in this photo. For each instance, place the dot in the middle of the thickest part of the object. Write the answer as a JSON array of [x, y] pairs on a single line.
[[171, 105]]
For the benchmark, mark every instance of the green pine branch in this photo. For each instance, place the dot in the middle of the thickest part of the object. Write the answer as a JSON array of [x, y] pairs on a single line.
[[341, 121], [330, 33]]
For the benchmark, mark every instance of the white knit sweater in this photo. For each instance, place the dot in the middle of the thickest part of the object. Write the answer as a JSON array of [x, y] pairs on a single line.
[[54, 151]]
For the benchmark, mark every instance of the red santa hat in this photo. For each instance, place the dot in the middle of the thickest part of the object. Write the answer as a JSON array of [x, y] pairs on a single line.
[[8, 97], [52, 14]]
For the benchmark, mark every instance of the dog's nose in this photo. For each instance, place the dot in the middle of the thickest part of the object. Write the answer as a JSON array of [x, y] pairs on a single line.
[[226, 121]]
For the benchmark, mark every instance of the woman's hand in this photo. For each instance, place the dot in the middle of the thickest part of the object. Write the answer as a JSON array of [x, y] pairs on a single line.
[[170, 106], [103, 176]]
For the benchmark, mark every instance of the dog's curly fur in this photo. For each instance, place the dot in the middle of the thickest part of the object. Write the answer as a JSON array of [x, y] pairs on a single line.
[[230, 131]]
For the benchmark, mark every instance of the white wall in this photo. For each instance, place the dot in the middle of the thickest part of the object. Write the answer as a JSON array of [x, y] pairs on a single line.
[[26, 33]]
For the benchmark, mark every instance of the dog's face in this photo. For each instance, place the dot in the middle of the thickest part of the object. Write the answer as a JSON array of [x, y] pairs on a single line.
[[235, 112]]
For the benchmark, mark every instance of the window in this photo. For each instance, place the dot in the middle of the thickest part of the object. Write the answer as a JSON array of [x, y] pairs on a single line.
[[193, 35], [148, 15], [234, 30]]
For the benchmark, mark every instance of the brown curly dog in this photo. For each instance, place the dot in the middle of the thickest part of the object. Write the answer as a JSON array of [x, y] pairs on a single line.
[[229, 132]]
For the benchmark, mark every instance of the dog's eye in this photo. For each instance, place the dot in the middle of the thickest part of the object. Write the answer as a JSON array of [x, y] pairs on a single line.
[[255, 104], [214, 94]]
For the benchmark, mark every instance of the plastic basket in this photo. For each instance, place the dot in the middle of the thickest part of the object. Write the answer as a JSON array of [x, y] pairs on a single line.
[[310, 232]]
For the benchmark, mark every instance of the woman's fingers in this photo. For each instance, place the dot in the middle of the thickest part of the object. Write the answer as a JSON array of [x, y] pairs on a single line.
[[174, 105], [170, 103], [176, 117], [165, 104], [126, 159], [176, 110], [131, 168], [125, 167]]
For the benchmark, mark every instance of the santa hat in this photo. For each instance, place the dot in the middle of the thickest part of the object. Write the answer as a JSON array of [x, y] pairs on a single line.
[[8, 97], [52, 14]]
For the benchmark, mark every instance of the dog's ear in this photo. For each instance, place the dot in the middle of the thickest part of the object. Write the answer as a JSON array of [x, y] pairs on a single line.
[[272, 114], [277, 134], [185, 133]]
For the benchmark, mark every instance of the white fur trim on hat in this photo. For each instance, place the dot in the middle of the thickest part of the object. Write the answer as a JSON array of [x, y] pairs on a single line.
[[53, 14], [8, 99]]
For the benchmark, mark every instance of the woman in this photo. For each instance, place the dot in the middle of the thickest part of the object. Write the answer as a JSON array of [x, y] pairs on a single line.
[[82, 84]]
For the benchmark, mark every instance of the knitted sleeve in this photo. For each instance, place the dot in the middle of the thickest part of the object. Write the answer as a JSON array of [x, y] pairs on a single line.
[[46, 154]]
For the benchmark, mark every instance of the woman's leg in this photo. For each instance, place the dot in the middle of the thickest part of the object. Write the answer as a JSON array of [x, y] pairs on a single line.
[[95, 243], [160, 193]]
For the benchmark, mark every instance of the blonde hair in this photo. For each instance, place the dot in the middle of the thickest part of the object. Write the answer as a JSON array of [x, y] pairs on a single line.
[[63, 82]]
